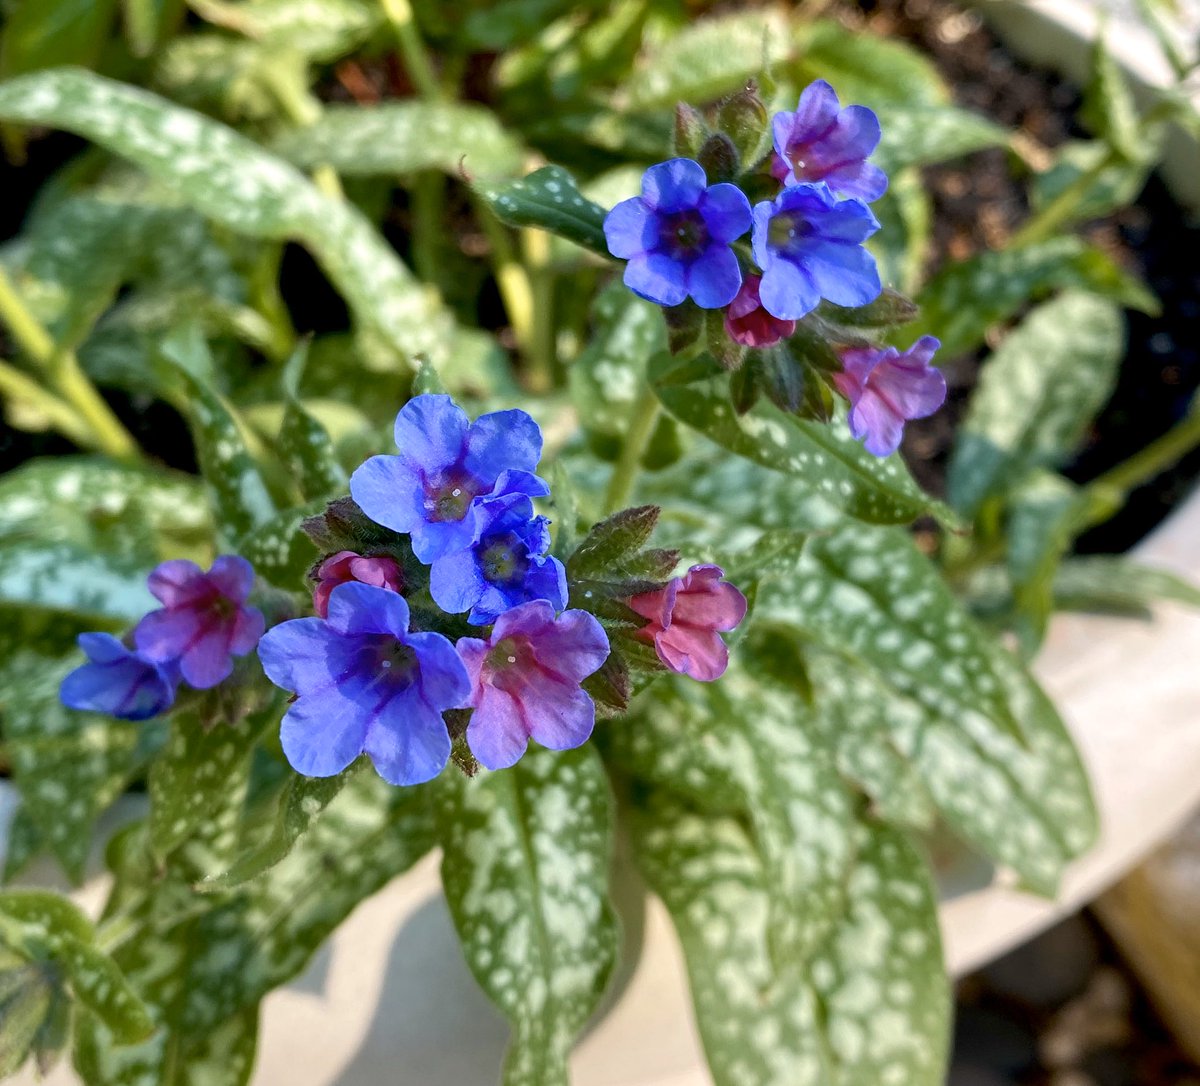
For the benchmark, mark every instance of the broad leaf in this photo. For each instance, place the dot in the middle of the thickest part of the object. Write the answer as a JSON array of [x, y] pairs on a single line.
[[69, 578], [41, 35], [822, 459], [706, 59], [866, 68], [549, 198], [1103, 582], [1036, 395], [919, 136], [1116, 185], [404, 137], [963, 301], [321, 30], [525, 868], [250, 191], [759, 1027]]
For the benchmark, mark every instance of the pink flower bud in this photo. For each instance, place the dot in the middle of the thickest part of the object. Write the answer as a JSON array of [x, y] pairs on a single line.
[[382, 572]]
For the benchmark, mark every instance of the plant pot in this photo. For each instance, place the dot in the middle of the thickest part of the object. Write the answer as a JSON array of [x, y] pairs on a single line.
[[389, 998]]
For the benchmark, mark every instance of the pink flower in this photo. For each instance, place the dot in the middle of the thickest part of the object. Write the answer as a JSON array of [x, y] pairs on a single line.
[[685, 617], [382, 572], [525, 681], [204, 621], [886, 388], [748, 323]]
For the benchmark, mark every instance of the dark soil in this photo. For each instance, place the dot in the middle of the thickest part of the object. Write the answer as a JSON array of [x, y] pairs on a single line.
[[979, 201]]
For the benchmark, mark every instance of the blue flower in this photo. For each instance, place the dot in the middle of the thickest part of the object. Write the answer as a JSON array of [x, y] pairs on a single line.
[[447, 473], [507, 566], [365, 684], [118, 681], [809, 246], [677, 236], [819, 142]]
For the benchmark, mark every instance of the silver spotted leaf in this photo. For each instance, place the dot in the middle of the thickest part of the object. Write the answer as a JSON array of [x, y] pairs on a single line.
[[525, 861]]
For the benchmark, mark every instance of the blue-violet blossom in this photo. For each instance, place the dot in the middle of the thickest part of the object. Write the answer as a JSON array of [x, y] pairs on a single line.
[[117, 681], [677, 236], [506, 566], [820, 142], [809, 246], [886, 387], [525, 682], [204, 621], [365, 684], [447, 472]]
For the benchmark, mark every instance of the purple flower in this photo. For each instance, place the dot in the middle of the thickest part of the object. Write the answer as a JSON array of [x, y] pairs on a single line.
[[809, 246], [886, 387], [525, 682], [204, 621], [677, 235], [685, 616], [507, 566], [365, 684], [349, 566], [117, 681], [748, 323], [819, 142], [448, 471]]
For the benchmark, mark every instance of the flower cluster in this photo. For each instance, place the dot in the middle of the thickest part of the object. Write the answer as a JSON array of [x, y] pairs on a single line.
[[366, 682], [682, 239], [203, 624]]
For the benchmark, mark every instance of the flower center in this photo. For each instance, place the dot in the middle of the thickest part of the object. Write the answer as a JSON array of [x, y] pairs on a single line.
[[393, 663], [500, 559], [786, 231], [683, 233], [448, 498]]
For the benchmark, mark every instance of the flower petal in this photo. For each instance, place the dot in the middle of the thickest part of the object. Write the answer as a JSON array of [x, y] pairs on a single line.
[[502, 441], [913, 390], [700, 654], [232, 576], [177, 582], [873, 419], [390, 492], [356, 608], [574, 647], [561, 715], [430, 432], [323, 733], [674, 185], [165, 635], [844, 274], [101, 648], [443, 680], [248, 627], [456, 582], [497, 734], [630, 228], [206, 662], [436, 539], [657, 278], [713, 278], [304, 655], [726, 212], [408, 741], [787, 291]]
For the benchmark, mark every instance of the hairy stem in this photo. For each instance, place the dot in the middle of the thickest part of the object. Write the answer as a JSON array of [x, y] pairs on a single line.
[[625, 471]]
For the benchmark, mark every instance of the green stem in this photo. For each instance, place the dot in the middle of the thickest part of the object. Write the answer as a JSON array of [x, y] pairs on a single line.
[[416, 61], [1155, 458], [1059, 211], [63, 417], [429, 210], [65, 375], [625, 471]]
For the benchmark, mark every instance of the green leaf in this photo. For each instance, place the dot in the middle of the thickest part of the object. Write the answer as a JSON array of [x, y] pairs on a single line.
[[905, 215], [321, 31], [1116, 186], [279, 550], [48, 928], [68, 766], [26, 1000], [963, 301], [1109, 108], [41, 35], [922, 135], [549, 199], [149, 22], [744, 745], [307, 452], [759, 1027], [707, 59], [248, 190], [393, 138], [614, 540], [606, 379], [871, 596], [303, 801], [239, 494], [880, 979], [1025, 804], [1036, 395], [65, 577], [868, 69], [541, 943], [198, 783], [821, 459], [1102, 582]]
